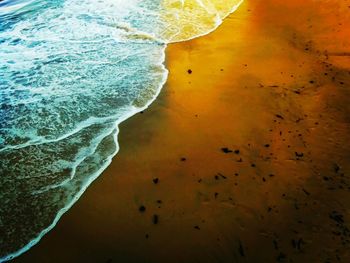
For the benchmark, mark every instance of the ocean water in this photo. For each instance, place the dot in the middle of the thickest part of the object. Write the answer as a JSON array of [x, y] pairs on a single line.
[[70, 72]]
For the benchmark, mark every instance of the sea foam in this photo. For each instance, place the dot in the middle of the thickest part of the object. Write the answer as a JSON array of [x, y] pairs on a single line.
[[70, 72]]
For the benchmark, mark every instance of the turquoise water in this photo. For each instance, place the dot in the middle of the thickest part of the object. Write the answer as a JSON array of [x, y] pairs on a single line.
[[70, 72]]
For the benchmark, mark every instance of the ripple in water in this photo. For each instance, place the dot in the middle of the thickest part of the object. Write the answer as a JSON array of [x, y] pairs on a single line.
[[70, 72]]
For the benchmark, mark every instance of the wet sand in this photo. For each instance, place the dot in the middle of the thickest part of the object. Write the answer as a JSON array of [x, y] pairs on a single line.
[[244, 157]]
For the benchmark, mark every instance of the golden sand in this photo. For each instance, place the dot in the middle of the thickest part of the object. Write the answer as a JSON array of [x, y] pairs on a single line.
[[273, 83]]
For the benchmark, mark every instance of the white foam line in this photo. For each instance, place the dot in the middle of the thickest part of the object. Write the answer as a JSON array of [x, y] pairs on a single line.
[[234, 8], [82, 157], [41, 140], [109, 160]]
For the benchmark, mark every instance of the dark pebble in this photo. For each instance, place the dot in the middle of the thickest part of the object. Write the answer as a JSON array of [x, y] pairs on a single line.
[[226, 150], [299, 154], [142, 208], [156, 180], [155, 219]]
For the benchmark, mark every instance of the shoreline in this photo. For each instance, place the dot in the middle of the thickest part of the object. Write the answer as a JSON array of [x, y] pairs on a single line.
[[92, 178], [190, 112], [95, 176]]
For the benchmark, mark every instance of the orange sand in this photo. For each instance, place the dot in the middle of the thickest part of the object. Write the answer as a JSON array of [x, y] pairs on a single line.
[[272, 82]]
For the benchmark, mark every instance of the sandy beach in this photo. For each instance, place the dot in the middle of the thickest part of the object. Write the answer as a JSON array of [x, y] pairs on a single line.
[[243, 157]]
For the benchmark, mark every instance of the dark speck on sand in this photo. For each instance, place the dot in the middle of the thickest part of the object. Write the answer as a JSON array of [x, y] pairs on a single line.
[[155, 219], [226, 150], [299, 154], [156, 180], [240, 249]]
